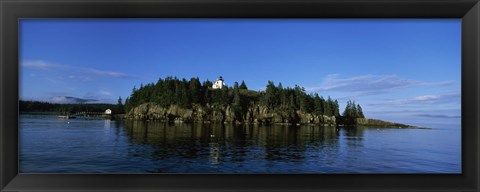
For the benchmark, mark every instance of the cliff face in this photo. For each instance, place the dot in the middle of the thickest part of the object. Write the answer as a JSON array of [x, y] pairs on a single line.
[[256, 114], [225, 114]]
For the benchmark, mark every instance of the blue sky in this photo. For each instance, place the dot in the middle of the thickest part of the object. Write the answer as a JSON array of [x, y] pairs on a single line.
[[405, 70]]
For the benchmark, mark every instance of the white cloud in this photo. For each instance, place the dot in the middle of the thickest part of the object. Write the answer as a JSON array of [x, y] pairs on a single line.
[[365, 83], [370, 84], [421, 116], [426, 98], [443, 98], [67, 99], [76, 73], [36, 64], [99, 94], [103, 92], [439, 116]]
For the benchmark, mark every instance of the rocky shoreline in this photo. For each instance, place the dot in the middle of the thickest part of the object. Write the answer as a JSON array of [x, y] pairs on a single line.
[[223, 114], [255, 114]]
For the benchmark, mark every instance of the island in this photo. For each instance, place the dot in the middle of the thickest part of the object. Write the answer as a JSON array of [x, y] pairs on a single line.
[[185, 101]]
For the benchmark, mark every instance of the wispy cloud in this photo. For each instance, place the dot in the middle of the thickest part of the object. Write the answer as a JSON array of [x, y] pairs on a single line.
[[80, 78], [68, 99], [426, 116], [416, 111], [77, 73], [103, 92], [442, 98], [370, 84], [97, 94], [439, 116]]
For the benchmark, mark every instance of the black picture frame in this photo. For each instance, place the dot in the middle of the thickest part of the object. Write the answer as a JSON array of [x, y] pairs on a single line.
[[12, 10]]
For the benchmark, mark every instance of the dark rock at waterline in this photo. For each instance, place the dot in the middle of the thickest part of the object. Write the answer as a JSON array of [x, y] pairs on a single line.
[[370, 123], [225, 114], [256, 114]]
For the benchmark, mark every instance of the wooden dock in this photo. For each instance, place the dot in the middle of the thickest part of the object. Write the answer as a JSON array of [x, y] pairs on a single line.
[[66, 117], [92, 115], [87, 115]]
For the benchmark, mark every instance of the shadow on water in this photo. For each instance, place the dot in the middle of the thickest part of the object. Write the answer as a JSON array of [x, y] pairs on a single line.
[[234, 143], [49, 144]]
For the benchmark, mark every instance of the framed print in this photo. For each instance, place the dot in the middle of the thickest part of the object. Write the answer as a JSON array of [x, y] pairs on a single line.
[[223, 95]]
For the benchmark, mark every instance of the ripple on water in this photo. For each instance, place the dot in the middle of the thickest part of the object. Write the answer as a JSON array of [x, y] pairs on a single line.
[[50, 145]]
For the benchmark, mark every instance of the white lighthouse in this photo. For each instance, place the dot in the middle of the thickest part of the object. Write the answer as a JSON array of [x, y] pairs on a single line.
[[218, 83]]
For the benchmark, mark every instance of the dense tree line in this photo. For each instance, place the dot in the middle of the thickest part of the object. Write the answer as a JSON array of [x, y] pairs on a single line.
[[288, 99], [174, 91], [353, 111], [185, 93], [38, 106]]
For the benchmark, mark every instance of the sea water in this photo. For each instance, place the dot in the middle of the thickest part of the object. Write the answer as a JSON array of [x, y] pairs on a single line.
[[51, 145]]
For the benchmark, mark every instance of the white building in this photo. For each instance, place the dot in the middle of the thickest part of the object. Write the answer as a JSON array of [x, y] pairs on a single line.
[[108, 112], [219, 83]]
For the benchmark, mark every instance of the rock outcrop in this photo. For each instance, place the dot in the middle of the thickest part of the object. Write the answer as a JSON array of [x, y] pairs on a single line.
[[225, 114], [370, 123], [376, 122], [256, 114]]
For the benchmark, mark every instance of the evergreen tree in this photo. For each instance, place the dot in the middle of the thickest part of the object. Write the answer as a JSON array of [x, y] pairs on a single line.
[[327, 109], [119, 101], [184, 93], [195, 89], [291, 104], [348, 109], [236, 102], [336, 109], [127, 105], [318, 105], [270, 95], [353, 111], [235, 86], [120, 107], [243, 85], [360, 112]]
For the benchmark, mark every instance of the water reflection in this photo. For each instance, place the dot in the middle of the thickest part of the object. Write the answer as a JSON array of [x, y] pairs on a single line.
[[118, 146], [106, 123], [354, 136], [214, 153], [232, 143]]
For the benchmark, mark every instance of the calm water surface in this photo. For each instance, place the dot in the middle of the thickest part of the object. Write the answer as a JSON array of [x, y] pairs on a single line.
[[51, 145]]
